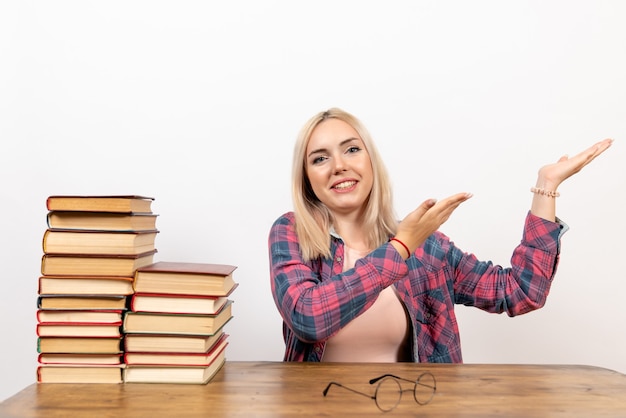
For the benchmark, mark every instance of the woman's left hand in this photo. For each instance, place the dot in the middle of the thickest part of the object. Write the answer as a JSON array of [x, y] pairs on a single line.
[[552, 175]]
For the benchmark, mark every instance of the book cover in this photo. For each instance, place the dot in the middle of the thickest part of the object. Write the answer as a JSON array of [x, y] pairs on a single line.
[[94, 265], [85, 285], [182, 304], [79, 345], [191, 324], [67, 241], [57, 316], [110, 203], [80, 358], [177, 358], [174, 374], [78, 330], [204, 269], [82, 302], [171, 343], [80, 373], [101, 221], [185, 278]]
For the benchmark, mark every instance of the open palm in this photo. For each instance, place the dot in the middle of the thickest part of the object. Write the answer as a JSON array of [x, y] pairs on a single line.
[[554, 174]]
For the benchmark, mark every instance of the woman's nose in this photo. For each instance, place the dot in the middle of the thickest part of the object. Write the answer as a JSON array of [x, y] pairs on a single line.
[[340, 165]]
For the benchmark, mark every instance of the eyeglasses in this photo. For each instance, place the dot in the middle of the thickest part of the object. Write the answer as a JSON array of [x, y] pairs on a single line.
[[389, 391]]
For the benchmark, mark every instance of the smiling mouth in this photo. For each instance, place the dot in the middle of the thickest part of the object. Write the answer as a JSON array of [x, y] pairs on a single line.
[[344, 185]]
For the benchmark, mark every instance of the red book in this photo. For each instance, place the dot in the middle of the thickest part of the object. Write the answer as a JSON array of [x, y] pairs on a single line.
[[101, 221], [69, 241], [94, 264], [110, 203]]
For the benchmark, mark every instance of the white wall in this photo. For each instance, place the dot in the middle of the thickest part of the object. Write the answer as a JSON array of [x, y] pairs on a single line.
[[197, 103]]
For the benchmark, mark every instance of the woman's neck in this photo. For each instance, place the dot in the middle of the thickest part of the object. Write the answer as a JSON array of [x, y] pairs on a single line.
[[352, 232]]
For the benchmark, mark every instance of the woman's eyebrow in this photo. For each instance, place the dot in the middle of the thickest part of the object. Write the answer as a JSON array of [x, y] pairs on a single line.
[[345, 141], [342, 143], [317, 151]]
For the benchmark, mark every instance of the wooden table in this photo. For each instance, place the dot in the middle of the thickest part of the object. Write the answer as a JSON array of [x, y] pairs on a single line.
[[277, 389]]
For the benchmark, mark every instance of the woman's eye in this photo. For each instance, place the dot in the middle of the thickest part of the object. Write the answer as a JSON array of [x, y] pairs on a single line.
[[318, 160], [353, 149]]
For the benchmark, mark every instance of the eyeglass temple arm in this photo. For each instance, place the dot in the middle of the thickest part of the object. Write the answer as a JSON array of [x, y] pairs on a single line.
[[376, 379], [345, 387]]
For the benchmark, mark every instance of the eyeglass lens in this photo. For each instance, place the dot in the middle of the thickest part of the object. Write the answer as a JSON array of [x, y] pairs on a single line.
[[425, 388], [388, 394]]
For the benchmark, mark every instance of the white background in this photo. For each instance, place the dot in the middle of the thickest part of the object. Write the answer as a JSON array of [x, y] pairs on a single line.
[[198, 103]]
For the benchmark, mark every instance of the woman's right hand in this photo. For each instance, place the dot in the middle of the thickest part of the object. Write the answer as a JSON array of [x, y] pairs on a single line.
[[426, 219]]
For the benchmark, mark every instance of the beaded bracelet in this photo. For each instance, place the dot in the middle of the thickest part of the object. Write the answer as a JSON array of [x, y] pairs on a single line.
[[403, 245], [550, 193]]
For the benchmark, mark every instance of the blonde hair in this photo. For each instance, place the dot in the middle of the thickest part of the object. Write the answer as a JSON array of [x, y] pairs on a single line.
[[313, 218]]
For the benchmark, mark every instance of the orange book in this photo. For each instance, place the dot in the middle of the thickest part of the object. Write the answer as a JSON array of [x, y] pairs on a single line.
[[68, 241], [111, 203], [185, 278], [109, 345], [101, 221], [78, 330], [94, 265], [58, 316], [182, 304], [167, 323], [170, 343], [55, 373], [85, 285]]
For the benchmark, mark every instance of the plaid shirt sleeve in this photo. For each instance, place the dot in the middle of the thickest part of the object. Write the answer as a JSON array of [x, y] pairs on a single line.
[[316, 299], [514, 290]]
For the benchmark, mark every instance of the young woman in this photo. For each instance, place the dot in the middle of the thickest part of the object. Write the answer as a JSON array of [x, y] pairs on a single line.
[[353, 284]]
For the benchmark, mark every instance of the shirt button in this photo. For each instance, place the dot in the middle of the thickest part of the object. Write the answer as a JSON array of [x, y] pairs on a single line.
[[339, 259]]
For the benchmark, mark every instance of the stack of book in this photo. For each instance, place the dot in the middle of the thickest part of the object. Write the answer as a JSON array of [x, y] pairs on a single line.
[[174, 329], [92, 247]]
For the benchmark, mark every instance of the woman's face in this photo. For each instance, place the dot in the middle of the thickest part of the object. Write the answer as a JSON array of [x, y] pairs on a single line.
[[338, 167]]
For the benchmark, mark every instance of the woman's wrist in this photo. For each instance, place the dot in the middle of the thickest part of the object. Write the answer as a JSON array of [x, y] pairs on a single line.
[[544, 199], [544, 192], [400, 246]]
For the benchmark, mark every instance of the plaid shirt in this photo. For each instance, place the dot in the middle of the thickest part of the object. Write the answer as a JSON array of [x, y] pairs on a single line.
[[316, 299]]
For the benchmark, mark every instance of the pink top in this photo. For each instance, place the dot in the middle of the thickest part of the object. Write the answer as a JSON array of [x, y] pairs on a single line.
[[378, 335]]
